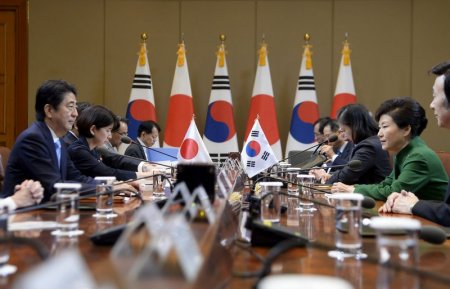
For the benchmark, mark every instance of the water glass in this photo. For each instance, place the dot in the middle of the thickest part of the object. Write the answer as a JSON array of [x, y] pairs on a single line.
[[292, 184], [270, 201], [146, 190], [348, 239], [305, 183], [292, 212], [158, 186], [105, 197], [5, 268], [295, 281], [68, 198], [282, 169], [397, 244]]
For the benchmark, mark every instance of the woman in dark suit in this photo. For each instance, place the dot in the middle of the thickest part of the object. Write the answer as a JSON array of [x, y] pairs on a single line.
[[94, 126], [360, 128]]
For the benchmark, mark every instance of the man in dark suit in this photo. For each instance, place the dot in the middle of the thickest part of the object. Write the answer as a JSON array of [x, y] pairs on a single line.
[[148, 132], [406, 202], [39, 152], [338, 152]]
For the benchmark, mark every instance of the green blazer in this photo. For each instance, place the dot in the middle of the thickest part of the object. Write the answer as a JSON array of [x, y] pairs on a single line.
[[417, 169]]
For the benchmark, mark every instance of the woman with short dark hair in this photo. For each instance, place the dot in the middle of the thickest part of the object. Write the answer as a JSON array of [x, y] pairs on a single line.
[[94, 126], [417, 168], [359, 127]]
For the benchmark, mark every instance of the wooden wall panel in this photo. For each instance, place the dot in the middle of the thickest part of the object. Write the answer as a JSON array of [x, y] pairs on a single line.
[[380, 38], [285, 44], [125, 22], [66, 41], [95, 43], [431, 35], [202, 22]]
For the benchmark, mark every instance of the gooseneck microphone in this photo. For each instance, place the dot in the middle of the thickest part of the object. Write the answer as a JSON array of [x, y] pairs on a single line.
[[331, 138], [128, 140], [352, 164], [105, 152]]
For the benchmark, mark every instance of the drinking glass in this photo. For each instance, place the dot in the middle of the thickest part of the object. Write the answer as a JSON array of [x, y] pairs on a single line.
[[105, 197], [159, 182], [305, 183], [292, 185], [68, 199], [397, 244], [270, 201], [146, 190], [5, 268], [348, 239]]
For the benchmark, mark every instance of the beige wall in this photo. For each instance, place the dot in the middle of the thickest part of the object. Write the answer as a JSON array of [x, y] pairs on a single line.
[[94, 44]]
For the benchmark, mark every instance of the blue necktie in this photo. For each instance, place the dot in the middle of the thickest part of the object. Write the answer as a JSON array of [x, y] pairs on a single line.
[[58, 152]]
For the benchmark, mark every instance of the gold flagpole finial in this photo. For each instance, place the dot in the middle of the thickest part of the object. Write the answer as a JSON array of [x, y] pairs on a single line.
[[144, 37], [181, 52], [221, 51], [263, 51], [307, 37], [307, 53], [346, 51], [143, 50]]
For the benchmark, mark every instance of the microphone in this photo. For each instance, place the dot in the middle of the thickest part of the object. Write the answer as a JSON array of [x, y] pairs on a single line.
[[353, 164], [128, 140], [105, 152], [366, 203], [433, 235], [331, 138]]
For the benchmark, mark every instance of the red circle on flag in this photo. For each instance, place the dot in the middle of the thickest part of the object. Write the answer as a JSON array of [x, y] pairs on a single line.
[[189, 149], [308, 112], [142, 110]]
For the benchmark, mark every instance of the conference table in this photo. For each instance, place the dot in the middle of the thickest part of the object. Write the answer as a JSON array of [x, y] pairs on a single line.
[[229, 262]]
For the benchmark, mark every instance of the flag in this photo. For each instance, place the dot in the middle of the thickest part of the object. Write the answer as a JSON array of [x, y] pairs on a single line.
[[345, 88], [305, 111], [141, 106], [220, 131], [181, 107], [257, 154], [192, 149], [263, 103]]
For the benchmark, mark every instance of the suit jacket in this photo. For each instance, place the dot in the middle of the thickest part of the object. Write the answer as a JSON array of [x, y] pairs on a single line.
[[435, 211], [69, 138], [89, 163], [375, 164], [345, 156], [135, 150], [34, 157]]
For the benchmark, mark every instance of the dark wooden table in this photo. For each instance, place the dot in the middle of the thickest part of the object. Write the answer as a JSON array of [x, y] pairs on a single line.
[[229, 265]]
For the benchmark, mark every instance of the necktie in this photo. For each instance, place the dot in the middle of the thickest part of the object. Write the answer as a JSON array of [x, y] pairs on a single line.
[[58, 152]]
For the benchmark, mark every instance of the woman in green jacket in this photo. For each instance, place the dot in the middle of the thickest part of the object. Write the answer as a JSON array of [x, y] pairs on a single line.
[[417, 168]]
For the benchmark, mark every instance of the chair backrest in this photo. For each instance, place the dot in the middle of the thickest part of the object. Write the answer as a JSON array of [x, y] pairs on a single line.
[[306, 159], [4, 153], [445, 159]]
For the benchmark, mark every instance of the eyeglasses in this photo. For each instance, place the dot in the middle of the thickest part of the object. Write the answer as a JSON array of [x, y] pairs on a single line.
[[121, 133], [71, 107]]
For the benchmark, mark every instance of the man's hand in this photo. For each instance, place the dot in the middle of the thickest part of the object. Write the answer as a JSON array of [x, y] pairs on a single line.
[[328, 151], [28, 193]]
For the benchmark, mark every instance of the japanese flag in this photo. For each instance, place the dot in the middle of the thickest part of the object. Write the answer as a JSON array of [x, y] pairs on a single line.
[[192, 149]]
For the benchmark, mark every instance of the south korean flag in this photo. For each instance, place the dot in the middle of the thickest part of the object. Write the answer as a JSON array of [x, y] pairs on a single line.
[[257, 154]]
